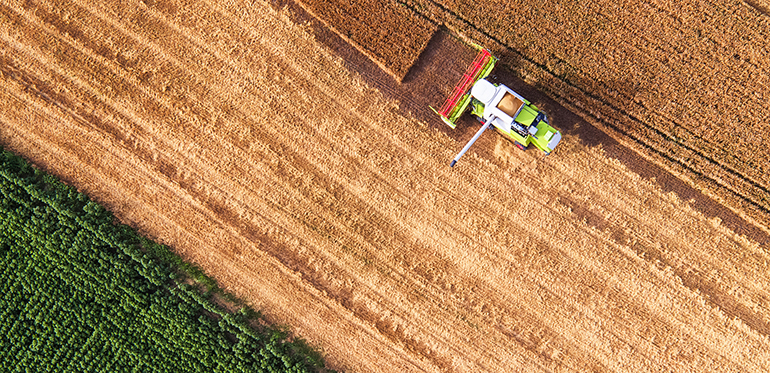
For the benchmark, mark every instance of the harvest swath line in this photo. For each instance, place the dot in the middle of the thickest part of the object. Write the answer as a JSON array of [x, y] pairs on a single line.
[[221, 191], [76, 279], [118, 110], [522, 262], [756, 325], [392, 268], [390, 89], [527, 312], [758, 204], [220, 139]]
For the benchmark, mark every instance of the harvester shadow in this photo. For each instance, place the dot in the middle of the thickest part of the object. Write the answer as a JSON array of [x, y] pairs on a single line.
[[424, 84], [572, 124], [440, 66]]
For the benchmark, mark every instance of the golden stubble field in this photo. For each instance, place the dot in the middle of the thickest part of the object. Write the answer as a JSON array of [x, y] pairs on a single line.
[[228, 131]]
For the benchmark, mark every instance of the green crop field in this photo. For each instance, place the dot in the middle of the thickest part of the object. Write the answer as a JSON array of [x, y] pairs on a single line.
[[81, 293]]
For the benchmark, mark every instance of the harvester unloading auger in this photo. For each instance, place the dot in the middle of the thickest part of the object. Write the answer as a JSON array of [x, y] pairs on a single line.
[[499, 106]]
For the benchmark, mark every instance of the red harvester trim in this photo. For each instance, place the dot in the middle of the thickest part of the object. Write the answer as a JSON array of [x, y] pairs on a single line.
[[464, 84]]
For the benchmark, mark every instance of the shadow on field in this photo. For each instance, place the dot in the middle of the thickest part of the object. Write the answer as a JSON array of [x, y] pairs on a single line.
[[440, 67], [572, 124]]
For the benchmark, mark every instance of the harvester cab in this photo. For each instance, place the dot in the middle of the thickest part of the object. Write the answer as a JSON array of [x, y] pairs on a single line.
[[498, 106]]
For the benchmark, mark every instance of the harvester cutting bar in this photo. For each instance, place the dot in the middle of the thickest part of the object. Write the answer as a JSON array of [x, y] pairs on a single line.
[[471, 75]]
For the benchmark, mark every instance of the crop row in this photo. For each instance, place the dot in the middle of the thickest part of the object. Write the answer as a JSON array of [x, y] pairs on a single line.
[[81, 293]]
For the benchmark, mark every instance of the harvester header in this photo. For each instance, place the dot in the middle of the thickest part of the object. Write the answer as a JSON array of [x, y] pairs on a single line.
[[458, 101]]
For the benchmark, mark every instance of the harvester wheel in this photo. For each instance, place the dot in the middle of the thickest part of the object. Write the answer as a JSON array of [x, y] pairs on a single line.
[[518, 145]]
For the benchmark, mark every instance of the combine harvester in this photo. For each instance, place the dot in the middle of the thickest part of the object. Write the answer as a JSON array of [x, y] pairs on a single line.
[[499, 106]]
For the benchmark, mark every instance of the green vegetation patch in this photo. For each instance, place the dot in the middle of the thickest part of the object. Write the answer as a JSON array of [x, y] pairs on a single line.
[[80, 293]]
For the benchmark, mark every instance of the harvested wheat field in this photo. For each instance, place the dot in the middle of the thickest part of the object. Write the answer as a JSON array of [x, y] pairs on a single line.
[[279, 158]]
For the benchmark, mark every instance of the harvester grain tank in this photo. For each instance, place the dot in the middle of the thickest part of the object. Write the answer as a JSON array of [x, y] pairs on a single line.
[[497, 106]]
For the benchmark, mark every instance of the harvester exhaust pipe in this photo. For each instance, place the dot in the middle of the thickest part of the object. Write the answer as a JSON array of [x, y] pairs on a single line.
[[475, 137]]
